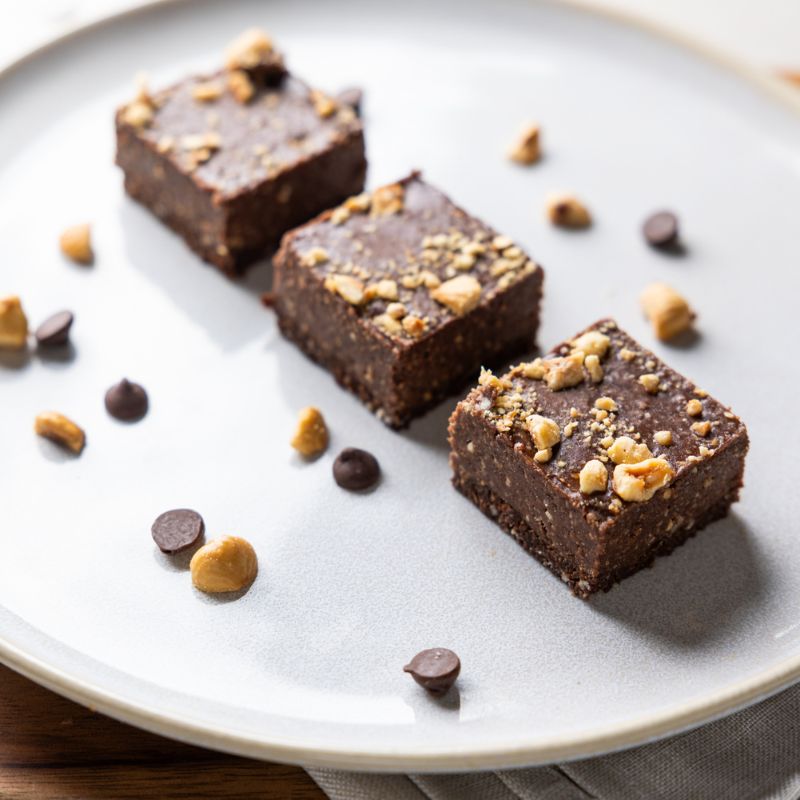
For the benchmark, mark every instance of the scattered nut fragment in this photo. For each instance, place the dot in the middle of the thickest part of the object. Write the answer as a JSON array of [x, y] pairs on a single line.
[[593, 477], [387, 323], [664, 438], [76, 243], [228, 564], [625, 450], [650, 382], [701, 428], [566, 211], [386, 289], [206, 91], [627, 355], [414, 326], [592, 343], [543, 456], [605, 403], [314, 256], [396, 310], [694, 408], [533, 369], [323, 105], [563, 372], [388, 200], [348, 288], [544, 431], [13, 324], [460, 294], [311, 434], [240, 86], [668, 312], [249, 50], [61, 430], [638, 482], [592, 364], [526, 150]]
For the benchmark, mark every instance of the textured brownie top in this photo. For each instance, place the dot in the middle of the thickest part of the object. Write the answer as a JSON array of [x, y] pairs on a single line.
[[604, 399], [232, 134], [407, 258]]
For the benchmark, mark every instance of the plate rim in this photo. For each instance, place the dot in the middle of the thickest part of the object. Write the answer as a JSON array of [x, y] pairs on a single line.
[[596, 741]]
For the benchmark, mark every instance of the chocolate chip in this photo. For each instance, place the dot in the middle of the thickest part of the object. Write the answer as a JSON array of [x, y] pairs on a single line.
[[356, 469], [178, 529], [435, 670], [126, 401], [352, 97], [661, 229], [54, 331]]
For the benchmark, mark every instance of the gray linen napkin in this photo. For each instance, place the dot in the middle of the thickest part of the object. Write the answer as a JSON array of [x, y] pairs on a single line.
[[751, 755]]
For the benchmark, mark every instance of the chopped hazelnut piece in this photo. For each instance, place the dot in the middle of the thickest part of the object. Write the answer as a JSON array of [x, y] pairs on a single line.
[[388, 200], [61, 430], [526, 149], [386, 289], [664, 438], [360, 202], [339, 215], [701, 428], [566, 211], [593, 477], [605, 403], [668, 312], [76, 243], [249, 50], [545, 432], [563, 372], [414, 326], [228, 564], [627, 355], [650, 382], [543, 456], [138, 114], [592, 363], [240, 86], [460, 294], [694, 408], [533, 369], [316, 255], [502, 242], [311, 435], [348, 288], [569, 429], [625, 450], [13, 324], [396, 310], [323, 105], [592, 343], [207, 91], [388, 324], [638, 482]]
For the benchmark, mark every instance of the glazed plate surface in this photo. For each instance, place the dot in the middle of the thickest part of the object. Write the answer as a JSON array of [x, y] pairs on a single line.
[[306, 666]]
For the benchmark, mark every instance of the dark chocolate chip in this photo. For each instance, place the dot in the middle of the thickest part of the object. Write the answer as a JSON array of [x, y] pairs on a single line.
[[54, 331], [661, 229], [178, 529], [126, 401], [356, 469], [352, 97], [435, 670]]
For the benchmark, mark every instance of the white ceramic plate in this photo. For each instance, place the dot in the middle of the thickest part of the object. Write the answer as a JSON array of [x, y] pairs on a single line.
[[307, 665]]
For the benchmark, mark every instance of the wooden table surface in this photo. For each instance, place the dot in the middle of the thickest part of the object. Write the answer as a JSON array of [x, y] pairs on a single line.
[[53, 749]]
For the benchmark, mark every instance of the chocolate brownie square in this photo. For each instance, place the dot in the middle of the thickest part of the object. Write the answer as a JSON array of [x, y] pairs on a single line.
[[598, 457], [403, 296], [232, 160]]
